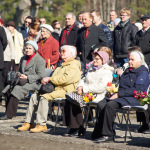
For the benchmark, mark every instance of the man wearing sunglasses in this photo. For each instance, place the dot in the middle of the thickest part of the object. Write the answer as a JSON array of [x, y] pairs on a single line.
[[25, 27]]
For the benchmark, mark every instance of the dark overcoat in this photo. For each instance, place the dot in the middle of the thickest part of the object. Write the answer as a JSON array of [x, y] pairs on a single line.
[[123, 39], [71, 38], [3, 44], [143, 41], [135, 79], [95, 39]]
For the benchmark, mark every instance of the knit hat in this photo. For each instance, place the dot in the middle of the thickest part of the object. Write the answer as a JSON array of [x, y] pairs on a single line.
[[48, 27], [11, 23], [32, 43], [104, 56]]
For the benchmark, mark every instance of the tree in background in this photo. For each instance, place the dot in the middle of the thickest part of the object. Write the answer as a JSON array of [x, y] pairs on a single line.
[[57, 9]]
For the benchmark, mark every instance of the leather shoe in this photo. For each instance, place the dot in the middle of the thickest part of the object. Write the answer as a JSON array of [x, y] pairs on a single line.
[[71, 133], [5, 117], [147, 131], [104, 139], [142, 129]]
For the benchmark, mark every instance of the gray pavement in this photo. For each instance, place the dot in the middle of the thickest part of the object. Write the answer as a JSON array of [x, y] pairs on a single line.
[[13, 140]]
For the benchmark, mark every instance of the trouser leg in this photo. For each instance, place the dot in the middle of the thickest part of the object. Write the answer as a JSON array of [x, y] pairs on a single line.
[[109, 118], [97, 132], [1, 85], [144, 117], [72, 115], [32, 108], [42, 111], [12, 107]]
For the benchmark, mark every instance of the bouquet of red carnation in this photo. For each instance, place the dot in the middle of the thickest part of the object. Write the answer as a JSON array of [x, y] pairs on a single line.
[[143, 97]]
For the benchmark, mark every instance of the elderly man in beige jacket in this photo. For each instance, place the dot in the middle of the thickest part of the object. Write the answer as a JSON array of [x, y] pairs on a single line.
[[65, 78]]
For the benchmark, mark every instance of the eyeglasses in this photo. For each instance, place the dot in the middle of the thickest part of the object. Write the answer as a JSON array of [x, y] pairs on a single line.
[[27, 22], [57, 23], [123, 15], [97, 59]]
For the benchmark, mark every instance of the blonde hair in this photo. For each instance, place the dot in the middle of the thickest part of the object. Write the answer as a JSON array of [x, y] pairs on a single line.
[[105, 49], [125, 10]]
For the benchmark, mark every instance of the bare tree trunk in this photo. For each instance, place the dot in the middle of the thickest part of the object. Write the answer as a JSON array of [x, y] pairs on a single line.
[[108, 9], [101, 8], [94, 4], [104, 10], [113, 4]]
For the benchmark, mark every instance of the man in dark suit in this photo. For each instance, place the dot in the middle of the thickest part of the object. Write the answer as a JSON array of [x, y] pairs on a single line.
[[89, 38], [69, 33], [142, 38], [3, 44]]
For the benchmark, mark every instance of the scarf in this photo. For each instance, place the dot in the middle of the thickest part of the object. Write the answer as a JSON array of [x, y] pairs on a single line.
[[29, 58], [96, 67], [65, 35]]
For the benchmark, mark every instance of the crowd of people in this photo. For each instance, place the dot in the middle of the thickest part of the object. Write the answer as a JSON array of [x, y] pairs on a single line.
[[82, 57]]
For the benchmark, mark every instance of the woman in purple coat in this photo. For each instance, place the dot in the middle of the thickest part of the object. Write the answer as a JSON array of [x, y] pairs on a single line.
[[134, 78]]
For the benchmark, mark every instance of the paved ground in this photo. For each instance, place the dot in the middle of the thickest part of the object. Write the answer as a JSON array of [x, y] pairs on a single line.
[[12, 140]]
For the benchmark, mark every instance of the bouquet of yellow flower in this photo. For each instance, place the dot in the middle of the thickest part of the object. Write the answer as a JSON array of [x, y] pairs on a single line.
[[111, 88], [87, 97], [143, 97]]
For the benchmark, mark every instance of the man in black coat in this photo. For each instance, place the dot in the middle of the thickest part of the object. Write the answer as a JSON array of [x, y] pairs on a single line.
[[89, 38], [124, 35], [3, 44], [69, 33], [142, 38], [98, 22]]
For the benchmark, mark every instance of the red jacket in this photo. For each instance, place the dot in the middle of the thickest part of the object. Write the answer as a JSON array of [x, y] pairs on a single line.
[[49, 50]]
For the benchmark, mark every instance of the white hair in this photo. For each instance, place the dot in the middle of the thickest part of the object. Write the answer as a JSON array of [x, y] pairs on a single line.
[[139, 56], [72, 49], [72, 14]]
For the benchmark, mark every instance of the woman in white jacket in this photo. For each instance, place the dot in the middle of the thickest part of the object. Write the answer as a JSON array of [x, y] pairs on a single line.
[[18, 42], [95, 81]]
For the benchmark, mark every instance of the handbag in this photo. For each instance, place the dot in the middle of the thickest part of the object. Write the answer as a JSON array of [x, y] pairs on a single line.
[[11, 75], [76, 99], [47, 88]]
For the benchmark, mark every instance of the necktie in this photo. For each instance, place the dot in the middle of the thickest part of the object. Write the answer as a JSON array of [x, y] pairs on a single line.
[[86, 33]]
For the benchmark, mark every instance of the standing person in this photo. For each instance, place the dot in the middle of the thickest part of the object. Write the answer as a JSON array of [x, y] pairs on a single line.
[[89, 38], [42, 21], [57, 29], [24, 29], [98, 22], [69, 33], [79, 23], [18, 42], [142, 38], [34, 31], [3, 44], [113, 19], [9, 54], [48, 46], [124, 35]]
